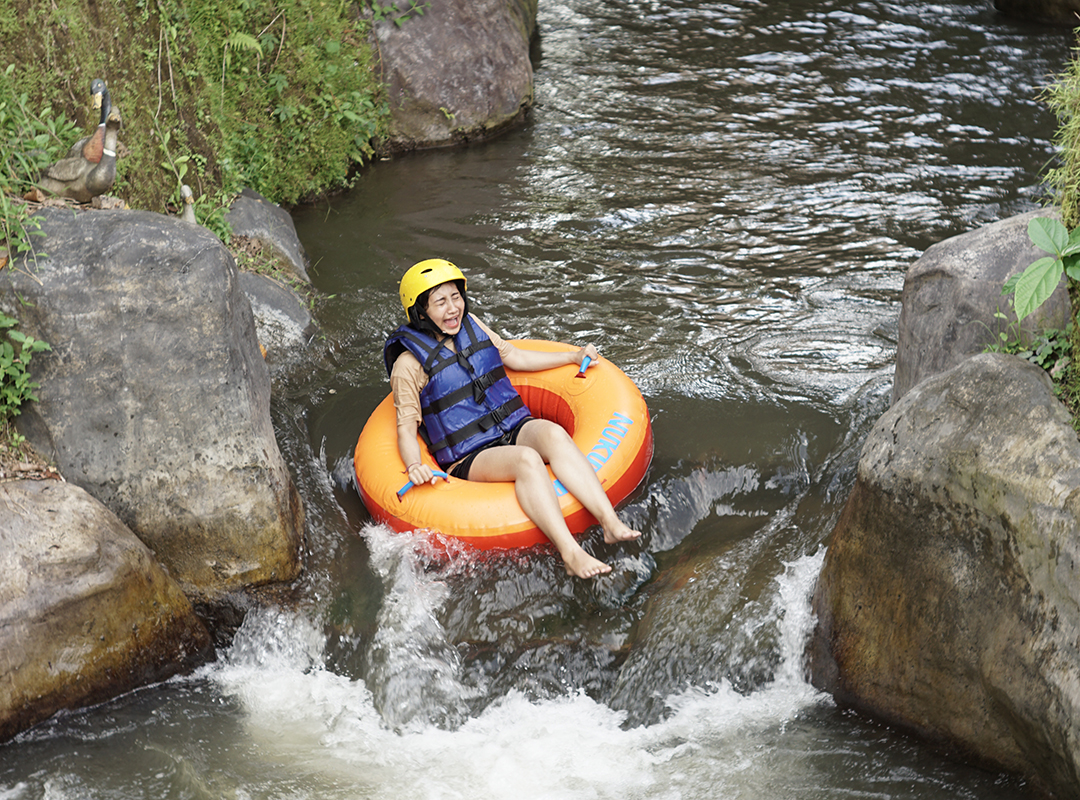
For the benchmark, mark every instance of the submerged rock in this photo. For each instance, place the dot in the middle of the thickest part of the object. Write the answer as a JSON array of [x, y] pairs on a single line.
[[86, 613], [155, 398], [949, 601], [1053, 12]]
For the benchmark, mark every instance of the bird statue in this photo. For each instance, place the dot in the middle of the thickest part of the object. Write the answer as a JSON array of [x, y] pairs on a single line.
[[89, 169], [188, 212], [91, 146]]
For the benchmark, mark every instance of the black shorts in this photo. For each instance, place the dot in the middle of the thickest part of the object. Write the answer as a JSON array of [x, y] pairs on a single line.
[[461, 468]]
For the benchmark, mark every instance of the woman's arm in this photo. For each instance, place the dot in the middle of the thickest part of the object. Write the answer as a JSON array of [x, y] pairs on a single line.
[[406, 380], [409, 450], [534, 360]]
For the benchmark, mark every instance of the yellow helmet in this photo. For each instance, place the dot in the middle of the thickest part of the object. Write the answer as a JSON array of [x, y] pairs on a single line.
[[426, 275]]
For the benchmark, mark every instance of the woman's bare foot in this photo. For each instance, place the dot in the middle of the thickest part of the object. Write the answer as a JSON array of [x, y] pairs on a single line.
[[619, 531], [582, 565]]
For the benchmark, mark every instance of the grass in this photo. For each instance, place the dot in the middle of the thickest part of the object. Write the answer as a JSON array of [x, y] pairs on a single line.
[[1062, 96], [254, 256], [277, 95], [1067, 381]]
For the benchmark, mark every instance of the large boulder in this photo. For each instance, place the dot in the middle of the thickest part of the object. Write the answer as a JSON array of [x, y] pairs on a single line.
[[458, 73], [156, 399], [949, 600], [952, 293], [86, 613]]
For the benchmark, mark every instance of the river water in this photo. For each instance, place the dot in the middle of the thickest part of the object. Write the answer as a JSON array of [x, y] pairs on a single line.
[[724, 197]]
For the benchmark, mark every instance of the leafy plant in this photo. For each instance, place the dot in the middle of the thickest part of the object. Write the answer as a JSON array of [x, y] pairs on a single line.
[[212, 73], [1048, 349], [177, 166], [28, 143], [1061, 98], [393, 13], [15, 385], [1033, 287]]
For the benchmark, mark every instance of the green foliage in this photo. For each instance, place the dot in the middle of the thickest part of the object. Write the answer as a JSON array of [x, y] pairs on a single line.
[[15, 385], [1033, 287], [29, 142], [297, 111], [1049, 348], [277, 95], [1063, 98], [392, 12]]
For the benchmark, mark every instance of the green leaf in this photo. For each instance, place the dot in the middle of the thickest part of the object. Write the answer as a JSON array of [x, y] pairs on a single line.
[[1036, 284], [243, 41], [1048, 234]]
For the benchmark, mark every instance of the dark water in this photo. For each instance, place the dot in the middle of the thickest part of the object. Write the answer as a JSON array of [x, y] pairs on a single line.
[[724, 197]]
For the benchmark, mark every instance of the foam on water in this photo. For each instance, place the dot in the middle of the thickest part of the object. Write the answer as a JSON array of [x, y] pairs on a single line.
[[330, 727]]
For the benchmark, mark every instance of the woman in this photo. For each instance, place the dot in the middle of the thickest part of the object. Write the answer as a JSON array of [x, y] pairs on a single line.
[[446, 372]]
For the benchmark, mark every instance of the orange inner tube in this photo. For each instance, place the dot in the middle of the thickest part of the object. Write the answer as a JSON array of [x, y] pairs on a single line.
[[603, 412]]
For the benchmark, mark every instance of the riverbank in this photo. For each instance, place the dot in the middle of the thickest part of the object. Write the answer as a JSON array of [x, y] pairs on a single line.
[[195, 81]]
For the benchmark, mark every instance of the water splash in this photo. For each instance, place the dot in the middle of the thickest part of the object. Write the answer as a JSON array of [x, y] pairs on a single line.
[[388, 742], [415, 668]]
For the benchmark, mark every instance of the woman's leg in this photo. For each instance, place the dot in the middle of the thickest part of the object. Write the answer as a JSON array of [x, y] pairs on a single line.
[[575, 472], [532, 485]]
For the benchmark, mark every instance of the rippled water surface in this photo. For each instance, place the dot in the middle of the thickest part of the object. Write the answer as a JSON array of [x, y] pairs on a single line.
[[724, 197]]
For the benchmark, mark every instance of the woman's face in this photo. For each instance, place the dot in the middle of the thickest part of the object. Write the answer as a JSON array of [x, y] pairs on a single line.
[[446, 308]]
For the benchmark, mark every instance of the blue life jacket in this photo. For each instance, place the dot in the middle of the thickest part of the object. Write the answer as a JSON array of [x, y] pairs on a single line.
[[462, 409]]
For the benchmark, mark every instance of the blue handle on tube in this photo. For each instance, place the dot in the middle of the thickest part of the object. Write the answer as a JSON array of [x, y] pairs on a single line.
[[409, 485]]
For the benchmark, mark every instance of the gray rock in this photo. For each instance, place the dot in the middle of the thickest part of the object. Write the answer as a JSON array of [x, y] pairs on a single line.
[[283, 323], [86, 613], [949, 601], [952, 293], [254, 217], [459, 73], [156, 398]]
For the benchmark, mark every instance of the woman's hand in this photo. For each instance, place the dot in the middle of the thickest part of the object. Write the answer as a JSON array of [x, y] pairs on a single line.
[[409, 450], [588, 351], [420, 473]]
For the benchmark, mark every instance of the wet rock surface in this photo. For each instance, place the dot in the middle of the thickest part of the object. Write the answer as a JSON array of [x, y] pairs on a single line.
[[155, 397], [949, 601], [86, 612]]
